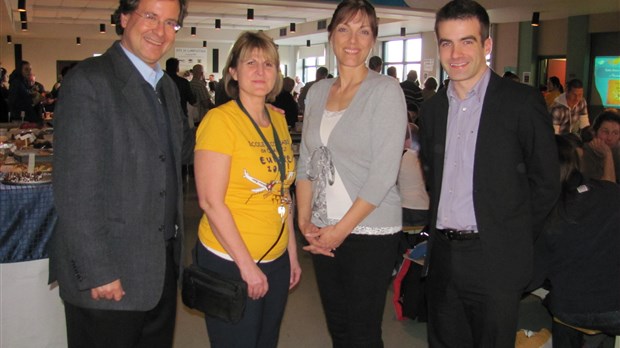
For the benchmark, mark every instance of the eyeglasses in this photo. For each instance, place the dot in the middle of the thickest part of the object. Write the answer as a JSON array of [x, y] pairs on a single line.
[[152, 21]]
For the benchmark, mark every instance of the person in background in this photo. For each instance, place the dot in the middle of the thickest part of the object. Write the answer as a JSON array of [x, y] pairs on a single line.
[[601, 155], [185, 96], [512, 76], [490, 163], [116, 248], [286, 102], [391, 71], [185, 91], [20, 97], [221, 97], [554, 89], [321, 73], [299, 84], [4, 96], [413, 93], [375, 63], [578, 253], [349, 209], [570, 110], [55, 92], [430, 87], [199, 88], [244, 167], [411, 184]]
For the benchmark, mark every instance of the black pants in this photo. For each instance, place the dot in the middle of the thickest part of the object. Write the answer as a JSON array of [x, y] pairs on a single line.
[[260, 326], [95, 328], [463, 311], [353, 287]]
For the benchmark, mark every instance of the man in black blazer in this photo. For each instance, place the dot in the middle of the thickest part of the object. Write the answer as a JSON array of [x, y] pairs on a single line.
[[117, 186], [491, 165]]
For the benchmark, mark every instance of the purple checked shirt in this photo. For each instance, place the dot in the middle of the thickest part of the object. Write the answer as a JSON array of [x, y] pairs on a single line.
[[456, 203]]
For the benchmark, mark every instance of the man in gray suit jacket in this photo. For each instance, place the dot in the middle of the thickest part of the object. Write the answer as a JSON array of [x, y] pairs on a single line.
[[117, 186], [491, 165]]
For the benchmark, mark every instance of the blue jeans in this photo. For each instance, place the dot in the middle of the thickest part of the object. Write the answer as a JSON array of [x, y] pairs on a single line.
[[260, 326]]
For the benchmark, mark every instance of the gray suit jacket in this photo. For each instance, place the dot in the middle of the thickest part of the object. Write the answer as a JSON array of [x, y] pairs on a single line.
[[109, 177]]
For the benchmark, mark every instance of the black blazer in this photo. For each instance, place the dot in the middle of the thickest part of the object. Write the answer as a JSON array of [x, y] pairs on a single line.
[[109, 173], [516, 174]]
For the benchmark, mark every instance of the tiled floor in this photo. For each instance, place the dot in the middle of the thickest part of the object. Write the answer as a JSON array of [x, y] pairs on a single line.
[[303, 325]]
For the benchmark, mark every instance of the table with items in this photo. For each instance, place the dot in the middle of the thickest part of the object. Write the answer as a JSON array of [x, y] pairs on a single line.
[[32, 313]]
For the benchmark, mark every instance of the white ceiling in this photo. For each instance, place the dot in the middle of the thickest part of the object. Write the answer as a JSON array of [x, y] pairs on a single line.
[[70, 18]]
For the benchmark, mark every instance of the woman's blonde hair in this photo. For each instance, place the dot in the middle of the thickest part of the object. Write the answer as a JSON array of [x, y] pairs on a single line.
[[243, 47]]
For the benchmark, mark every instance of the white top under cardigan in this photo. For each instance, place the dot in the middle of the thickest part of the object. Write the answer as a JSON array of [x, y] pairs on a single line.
[[366, 144]]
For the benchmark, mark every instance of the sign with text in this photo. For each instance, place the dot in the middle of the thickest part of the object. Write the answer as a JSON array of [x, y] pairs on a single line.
[[190, 56]]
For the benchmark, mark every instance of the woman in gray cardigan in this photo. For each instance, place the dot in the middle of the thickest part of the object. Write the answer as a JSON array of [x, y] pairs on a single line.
[[348, 206]]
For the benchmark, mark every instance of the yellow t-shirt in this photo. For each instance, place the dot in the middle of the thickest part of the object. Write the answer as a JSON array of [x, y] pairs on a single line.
[[253, 194]]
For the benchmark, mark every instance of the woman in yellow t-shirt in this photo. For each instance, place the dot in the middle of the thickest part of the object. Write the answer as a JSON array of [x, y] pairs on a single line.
[[554, 89], [244, 167]]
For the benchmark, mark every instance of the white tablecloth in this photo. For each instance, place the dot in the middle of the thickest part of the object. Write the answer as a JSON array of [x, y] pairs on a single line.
[[31, 312]]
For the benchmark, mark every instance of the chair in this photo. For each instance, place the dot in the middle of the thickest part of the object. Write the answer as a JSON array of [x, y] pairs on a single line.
[[585, 330]]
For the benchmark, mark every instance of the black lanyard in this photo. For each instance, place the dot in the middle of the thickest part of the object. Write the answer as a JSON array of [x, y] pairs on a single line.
[[280, 159]]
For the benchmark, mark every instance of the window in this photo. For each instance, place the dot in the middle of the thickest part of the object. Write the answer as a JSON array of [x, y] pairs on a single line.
[[404, 55], [309, 68]]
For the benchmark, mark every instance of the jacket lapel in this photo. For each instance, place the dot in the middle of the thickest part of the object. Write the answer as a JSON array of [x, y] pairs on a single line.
[[135, 89]]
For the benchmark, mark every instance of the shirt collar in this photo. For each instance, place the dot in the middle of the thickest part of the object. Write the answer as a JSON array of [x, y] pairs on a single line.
[[151, 75], [477, 91]]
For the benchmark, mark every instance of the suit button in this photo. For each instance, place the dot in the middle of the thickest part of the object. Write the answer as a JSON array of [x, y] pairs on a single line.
[[162, 158], [162, 193]]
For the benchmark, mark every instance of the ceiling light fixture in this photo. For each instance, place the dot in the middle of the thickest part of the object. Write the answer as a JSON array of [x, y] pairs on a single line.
[[218, 24], [250, 14], [112, 22], [9, 39], [78, 41], [21, 5], [307, 43], [204, 44], [102, 28], [193, 31], [25, 26], [292, 27], [535, 19], [403, 31], [23, 17]]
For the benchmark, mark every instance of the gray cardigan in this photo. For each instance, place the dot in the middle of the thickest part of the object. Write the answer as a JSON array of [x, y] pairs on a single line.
[[366, 145]]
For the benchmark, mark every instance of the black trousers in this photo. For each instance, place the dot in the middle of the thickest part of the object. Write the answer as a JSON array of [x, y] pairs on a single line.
[[95, 328], [463, 310], [353, 287]]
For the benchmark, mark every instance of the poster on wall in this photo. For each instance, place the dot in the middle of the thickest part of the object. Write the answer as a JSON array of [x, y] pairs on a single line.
[[607, 80], [429, 64], [190, 56]]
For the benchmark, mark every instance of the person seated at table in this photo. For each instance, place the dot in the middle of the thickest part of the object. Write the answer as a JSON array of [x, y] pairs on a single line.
[[601, 156], [286, 102], [578, 253]]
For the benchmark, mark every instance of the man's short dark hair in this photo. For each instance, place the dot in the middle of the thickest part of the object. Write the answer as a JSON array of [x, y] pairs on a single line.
[[172, 65], [321, 73], [375, 62], [573, 84], [610, 115], [128, 6], [461, 10]]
